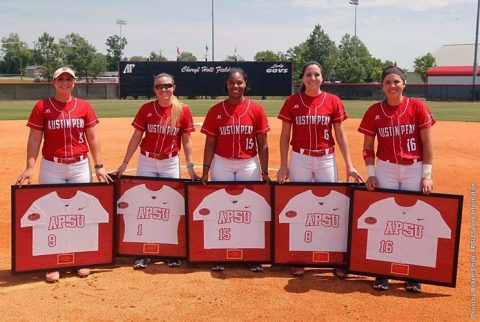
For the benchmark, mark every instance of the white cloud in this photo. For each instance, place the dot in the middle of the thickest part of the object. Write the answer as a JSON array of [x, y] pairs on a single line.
[[414, 5]]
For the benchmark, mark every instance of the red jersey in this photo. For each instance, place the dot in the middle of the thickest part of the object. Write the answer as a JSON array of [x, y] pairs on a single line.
[[160, 137], [312, 119], [397, 128], [236, 127], [63, 126]]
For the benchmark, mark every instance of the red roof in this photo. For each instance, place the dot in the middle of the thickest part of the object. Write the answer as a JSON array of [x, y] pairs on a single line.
[[452, 71]]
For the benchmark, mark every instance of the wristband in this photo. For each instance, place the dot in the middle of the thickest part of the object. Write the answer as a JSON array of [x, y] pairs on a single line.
[[125, 162], [206, 165], [427, 171], [265, 173], [98, 166], [368, 153], [371, 170], [189, 165]]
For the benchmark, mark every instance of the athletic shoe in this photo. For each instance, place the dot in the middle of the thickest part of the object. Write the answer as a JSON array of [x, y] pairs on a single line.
[[141, 263], [414, 287], [83, 272], [218, 268], [173, 262], [341, 273], [297, 271], [52, 277], [255, 268], [381, 284]]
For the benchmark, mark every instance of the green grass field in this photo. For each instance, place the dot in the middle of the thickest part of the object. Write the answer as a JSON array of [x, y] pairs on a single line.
[[443, 111]]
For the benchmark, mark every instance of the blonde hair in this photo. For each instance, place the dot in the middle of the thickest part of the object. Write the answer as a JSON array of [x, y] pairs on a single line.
[[176, 103]]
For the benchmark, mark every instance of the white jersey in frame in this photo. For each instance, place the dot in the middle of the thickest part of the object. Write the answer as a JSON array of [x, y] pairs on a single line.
[[233, 221], [64, 225], [151, 216], [406, 235], [317, 223]]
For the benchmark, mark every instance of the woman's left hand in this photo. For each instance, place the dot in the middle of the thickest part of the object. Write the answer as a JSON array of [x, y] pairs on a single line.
[[193, 175], [102, 175], [426, 185], [355, 175]]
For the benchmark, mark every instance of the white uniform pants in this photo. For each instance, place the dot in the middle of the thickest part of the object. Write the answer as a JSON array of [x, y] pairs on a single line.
[[305, 168], [52, 172], [398, 176], [166, 168], [224, 169]]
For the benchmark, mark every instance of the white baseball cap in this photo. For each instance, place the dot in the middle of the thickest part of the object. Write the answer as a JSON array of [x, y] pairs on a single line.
[[63, 70]]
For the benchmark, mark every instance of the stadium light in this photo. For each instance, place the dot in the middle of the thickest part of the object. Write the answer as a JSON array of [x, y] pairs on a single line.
[[355, 3], [121, 22], [475, 60], [213, 36]]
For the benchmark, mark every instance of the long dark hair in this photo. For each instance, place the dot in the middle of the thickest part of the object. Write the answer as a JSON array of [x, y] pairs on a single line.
[[304, 66]]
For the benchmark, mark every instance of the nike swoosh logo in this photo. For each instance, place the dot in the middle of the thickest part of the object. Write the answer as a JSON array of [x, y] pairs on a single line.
[[81, 208], [335, 209], [420, 219]]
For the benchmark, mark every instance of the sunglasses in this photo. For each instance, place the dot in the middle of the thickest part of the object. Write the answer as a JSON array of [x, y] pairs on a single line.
[[163, 86]]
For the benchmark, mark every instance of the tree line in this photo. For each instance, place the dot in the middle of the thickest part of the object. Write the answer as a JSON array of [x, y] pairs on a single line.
[[349, 62]]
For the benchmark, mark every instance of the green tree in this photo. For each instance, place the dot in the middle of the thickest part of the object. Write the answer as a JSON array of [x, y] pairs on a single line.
[[422, 64], [81, 56], [115, 46], [47, 54], [159, 57], [269, 55], [16, 55], [138, 58], [186, 56], [319, 47]]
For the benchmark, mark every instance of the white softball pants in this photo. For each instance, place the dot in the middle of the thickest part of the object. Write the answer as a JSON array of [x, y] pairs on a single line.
[[52, 172], [223, 169], [166, 168], [398, 176], [305, 168]]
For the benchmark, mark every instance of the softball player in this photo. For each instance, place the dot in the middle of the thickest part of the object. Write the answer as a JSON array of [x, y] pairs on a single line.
[[307, 121], [161, 127], [236, 131], [65, 124], [404, 153]]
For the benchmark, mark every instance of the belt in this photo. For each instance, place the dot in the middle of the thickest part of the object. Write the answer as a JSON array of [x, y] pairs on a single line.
[[66, 160], [158, 156], [403, 161], [314, 153]]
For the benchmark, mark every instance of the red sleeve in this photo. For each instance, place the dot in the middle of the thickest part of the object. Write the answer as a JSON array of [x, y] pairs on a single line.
[[208, 126], [262, 120], [284, 113], [424, 116], [36, 120], [139, 120], [90, 117], [339, 113], [187, 120], [367, 125]]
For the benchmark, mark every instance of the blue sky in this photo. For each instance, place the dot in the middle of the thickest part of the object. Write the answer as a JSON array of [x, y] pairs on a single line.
[[395, 30]]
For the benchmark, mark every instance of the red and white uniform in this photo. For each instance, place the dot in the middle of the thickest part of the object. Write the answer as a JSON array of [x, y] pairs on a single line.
[[63, 126], [312, 119], [407, 235], [160, 137], [233, 221], [151, 216], [397, 129], [64, 225], [236, 127], [317, 223], [312, 141]]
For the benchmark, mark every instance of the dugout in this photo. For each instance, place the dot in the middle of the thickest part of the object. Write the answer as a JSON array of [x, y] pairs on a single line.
[[204, 78], [452, 83]]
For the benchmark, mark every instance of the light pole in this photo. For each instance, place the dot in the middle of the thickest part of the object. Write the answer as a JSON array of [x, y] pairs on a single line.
[[213, 36], [121, 22], [355, 3], [475, 62]]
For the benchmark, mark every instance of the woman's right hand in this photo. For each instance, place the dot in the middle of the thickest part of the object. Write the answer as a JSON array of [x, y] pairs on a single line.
[[282, 174], [372, 183], [121, 169], [26, 175]]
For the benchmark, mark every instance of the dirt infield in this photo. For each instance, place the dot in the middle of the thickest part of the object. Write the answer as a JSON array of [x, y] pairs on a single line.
[[193, 292]]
